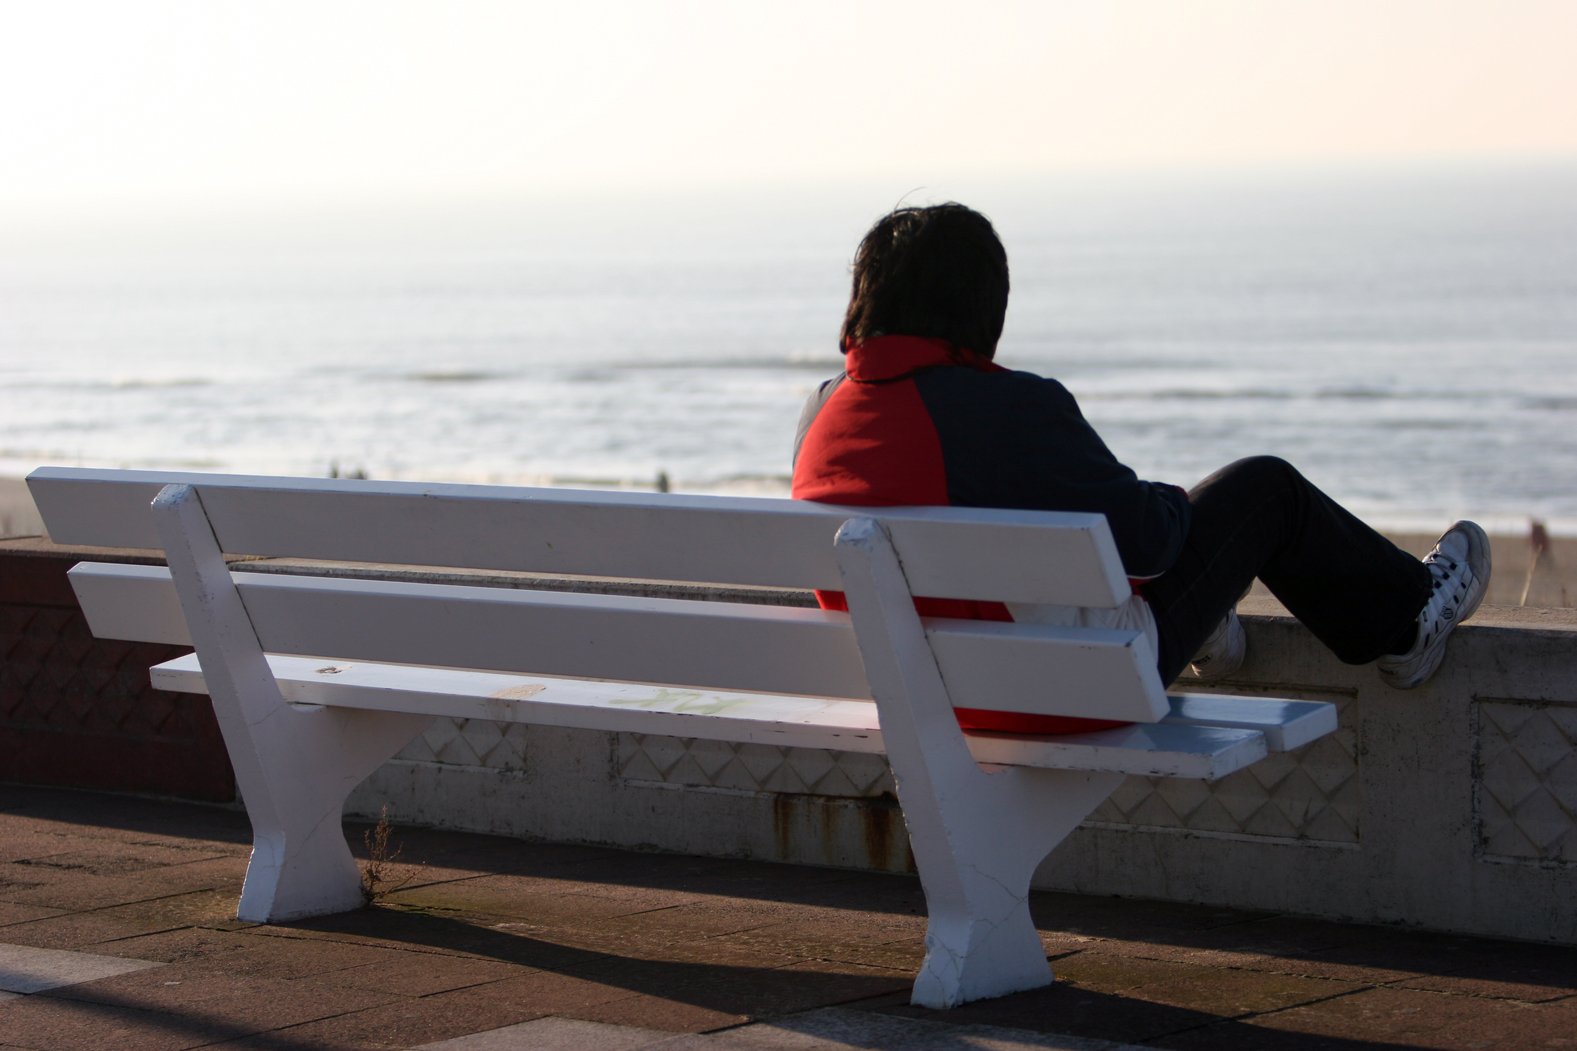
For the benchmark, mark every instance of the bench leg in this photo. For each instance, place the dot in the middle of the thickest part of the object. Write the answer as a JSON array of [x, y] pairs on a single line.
[[301, 764], [294, 765], [977, 835], [977, 846]]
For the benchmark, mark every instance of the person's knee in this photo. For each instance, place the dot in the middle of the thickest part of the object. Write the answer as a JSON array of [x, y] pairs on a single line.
[[1254, 472]]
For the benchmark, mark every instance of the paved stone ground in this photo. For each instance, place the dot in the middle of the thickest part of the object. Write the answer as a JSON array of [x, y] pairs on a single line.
[[116, 931]]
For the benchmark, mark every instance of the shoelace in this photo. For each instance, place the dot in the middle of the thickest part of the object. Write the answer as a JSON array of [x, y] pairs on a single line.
[[1448, 573]]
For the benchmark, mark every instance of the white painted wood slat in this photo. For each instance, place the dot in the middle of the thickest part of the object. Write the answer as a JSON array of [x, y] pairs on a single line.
[[851, 726], [138, 603], [1286, 724], [1010, 556], [130, 602], [1100, 673], [714, 645]]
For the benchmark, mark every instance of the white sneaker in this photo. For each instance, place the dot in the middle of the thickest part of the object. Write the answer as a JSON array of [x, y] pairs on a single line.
[[1223, 652], [1460, 566]]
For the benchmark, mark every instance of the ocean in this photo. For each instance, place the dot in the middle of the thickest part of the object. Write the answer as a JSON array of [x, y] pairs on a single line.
[[1407, 337]]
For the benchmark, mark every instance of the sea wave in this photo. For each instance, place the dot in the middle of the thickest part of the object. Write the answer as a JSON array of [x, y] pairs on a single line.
[[826, 364], [99, 384], [454, 376], [1550, 404]]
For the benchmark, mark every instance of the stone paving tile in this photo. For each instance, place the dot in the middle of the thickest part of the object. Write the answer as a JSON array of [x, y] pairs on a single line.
[[43, 1023], [748, 880], [1070, 1009], [868, 984], [841, 1028], [539, 901], [674, 1016], [26, 969], [1508, 971], [18, 882], [122, 859], [441, 853], [882, 897], [1296, 946], [1394, 1018], [659, 947], [73, 889], [555, 1034], [11, 912], [1135, 920], [177, 945], [106, 816], [250, 1002], [470, 935], [19, 845], [75, 930], [427, 1019], [850, 941], [869, 926], [695, 919], [1223, 993], [904, 956], [1492, 988], [426, 973], [240, 954], [572, 946], [740, 990], [798, 930]]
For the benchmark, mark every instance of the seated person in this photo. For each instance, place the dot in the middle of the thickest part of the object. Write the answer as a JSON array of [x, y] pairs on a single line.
[[922, 414]]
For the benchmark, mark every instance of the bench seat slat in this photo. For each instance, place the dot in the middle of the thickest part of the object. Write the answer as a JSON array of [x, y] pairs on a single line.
[[712, 645], [1163, 750], [1286, 724]]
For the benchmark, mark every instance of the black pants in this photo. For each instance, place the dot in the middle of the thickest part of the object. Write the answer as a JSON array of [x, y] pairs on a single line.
[[1354, 589]]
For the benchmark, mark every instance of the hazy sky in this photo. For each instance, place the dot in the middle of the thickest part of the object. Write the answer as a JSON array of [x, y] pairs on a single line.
[[126, 102]]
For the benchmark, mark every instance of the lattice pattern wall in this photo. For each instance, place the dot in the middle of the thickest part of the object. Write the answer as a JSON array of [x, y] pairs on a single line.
[[1312, 794], [80, 711], [645, 759], [1525, 782]]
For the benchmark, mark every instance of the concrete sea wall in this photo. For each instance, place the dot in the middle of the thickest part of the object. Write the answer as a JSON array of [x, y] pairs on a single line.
[[1452, 807]]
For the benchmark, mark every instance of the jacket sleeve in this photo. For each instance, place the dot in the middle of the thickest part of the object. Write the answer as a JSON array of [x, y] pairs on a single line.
[[812, 409], [1025, 443]]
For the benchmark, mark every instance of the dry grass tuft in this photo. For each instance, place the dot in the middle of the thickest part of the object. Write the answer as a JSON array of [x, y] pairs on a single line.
[[380, 876]]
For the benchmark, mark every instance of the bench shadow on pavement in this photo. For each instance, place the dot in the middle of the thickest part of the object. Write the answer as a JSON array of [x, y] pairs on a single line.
[[768, 993]]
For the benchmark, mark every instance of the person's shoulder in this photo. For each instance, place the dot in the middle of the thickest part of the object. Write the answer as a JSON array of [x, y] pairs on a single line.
[[1006, 396], [1023, 384], [828, 386]]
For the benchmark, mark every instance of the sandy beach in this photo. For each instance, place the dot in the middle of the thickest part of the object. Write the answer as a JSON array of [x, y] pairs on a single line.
[[1553, 584], [18, 516]]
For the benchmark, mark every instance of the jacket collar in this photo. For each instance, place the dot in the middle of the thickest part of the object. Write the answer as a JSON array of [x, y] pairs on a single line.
[[883, 358]]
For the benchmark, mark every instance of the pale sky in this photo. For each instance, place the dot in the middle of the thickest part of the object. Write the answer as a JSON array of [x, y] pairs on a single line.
[[108, 104]]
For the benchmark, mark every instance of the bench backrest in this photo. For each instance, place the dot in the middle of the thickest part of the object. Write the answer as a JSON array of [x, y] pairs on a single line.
[[1012, 556]]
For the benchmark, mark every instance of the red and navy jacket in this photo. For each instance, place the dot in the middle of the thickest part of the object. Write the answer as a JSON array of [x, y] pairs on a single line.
[[914, 421]]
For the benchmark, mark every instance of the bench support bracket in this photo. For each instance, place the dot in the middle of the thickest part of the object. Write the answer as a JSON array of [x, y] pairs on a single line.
[[293, 765], [977, 834]]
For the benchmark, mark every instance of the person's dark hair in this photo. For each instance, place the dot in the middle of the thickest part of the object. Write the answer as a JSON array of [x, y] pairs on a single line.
[[938, 272]]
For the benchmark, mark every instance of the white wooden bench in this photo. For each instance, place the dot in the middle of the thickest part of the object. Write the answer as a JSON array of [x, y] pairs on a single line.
[[318, 680]]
